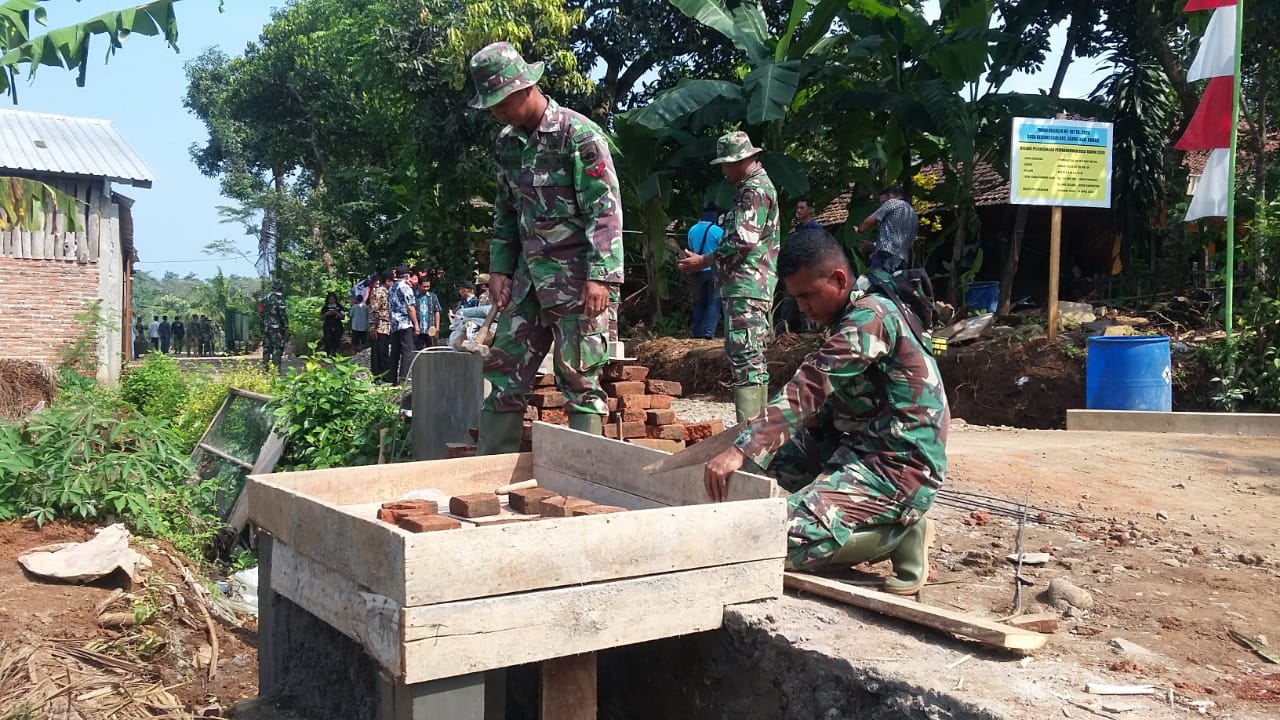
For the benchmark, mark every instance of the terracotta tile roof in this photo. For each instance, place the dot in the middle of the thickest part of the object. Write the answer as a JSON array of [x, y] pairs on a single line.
[[989, 188]]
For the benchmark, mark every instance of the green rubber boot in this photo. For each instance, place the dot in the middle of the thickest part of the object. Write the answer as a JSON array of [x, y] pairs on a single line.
[[870, 545], [749, 400], [500, 433], [587, 423], [911, 560]]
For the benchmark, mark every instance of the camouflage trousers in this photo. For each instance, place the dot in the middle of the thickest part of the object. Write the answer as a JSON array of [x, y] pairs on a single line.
[[525, 333], [272, 348], [833, 494], [746, 329]]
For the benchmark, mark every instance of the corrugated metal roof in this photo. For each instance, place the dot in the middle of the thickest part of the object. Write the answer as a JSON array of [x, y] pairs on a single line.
[[39, 142]]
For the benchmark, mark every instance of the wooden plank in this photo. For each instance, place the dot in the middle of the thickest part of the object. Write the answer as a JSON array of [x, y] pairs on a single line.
[[957, 623], [569, 687], [24, 251], [367, 552], [368, 618], [519, 557], [474, 635], [621, 466], [369, 483], [93, 233], [249, 394]]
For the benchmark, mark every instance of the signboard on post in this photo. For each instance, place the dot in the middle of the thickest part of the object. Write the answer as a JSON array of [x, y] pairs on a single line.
[[1062, 163]]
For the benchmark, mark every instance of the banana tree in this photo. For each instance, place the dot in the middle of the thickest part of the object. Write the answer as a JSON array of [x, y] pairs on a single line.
[[23, 200], [769, 89]]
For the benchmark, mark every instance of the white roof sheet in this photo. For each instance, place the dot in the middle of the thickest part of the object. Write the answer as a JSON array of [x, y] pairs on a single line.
[[40, 142]]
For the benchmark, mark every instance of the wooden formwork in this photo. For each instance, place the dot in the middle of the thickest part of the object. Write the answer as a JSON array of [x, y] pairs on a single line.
[[445, 604]]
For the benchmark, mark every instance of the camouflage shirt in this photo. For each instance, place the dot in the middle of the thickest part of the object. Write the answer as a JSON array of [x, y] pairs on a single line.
[[379, 311], [274, 317], [746, 261], [559, 212], [873, 381]]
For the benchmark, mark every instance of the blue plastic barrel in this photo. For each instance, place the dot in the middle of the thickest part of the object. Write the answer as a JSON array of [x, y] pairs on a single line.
[[983, 295], [1129, 373]]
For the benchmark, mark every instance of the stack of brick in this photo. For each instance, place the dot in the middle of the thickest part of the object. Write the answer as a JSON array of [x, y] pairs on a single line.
[[416, 516], [640, 408], [543, 502]]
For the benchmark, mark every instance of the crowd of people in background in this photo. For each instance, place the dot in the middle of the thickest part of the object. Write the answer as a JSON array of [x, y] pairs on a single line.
[[195, 336]]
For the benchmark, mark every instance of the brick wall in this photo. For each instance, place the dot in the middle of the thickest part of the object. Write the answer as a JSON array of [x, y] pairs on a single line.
[[39, 300]]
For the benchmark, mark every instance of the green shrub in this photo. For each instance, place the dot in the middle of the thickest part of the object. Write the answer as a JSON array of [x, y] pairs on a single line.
[[305, 326], [332, 416], [90, 457], [156, 388], [205, 395]]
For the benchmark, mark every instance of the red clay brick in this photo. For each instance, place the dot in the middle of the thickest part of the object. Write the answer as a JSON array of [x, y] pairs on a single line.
[[549, 398], [629, 430], [612, 403], [667, 445], [527, 501], [459, 450], [428, 523], [530, 413], [561, 506], [623, 389], [597, 510], [548, 380], [636, 402], [664, 387], [474, 505], [660, 417], [628, 416], [694, 432], [616, 371], [659, 402], [555, 416], [425, 506], [388, 516]]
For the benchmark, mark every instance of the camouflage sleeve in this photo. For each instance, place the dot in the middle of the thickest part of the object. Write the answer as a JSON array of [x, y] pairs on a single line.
[[862, 339], [504, 249], [599, 203], [743, 229]]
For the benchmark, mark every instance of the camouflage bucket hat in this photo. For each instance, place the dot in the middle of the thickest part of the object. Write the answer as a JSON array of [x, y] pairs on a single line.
[[498, 70], [733, 147]]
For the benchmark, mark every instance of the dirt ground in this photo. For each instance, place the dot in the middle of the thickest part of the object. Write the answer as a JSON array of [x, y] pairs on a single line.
[[51, 635], [1173, 536]]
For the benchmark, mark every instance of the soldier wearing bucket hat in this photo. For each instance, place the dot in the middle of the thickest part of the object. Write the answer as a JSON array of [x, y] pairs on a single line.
[[744, 266], [556, 255]]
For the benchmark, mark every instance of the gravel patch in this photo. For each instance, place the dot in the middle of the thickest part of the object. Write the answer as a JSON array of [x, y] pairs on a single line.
[[697, 410]]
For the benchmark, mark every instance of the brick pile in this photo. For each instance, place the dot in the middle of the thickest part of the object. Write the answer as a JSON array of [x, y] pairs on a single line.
[[530, 504]]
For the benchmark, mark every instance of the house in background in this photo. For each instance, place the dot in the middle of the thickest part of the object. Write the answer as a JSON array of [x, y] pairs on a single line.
[[48, 274]]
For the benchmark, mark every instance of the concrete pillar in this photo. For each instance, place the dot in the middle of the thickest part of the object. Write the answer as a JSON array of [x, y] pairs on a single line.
[[448, 389]]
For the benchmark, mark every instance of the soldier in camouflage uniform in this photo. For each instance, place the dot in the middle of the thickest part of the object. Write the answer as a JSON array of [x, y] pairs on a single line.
[[858, 436], [744, 268], [556, 254], [275, 327]]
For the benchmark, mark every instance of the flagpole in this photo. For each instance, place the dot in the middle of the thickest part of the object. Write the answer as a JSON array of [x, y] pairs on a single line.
[[1231, 187]]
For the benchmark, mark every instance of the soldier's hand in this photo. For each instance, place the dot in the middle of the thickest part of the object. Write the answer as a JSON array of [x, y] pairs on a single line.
[[500, 290], [594, 298], [716, 474], [690, 262]]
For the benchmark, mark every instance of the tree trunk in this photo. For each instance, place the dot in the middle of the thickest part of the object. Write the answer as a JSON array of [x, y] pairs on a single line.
[[955, 292], [1011, 257]]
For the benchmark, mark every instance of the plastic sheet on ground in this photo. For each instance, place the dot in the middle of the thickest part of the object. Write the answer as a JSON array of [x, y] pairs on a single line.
[[86, 561]]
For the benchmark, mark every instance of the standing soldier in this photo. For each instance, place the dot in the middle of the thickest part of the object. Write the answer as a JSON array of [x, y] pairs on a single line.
[[556, 254], [744, 267], [275, 326]]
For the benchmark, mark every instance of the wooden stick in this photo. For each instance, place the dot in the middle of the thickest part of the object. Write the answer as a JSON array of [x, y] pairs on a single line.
[[984, 631], [508, 489]]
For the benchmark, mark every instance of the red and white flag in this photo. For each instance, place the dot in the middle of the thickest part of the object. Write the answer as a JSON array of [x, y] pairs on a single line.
[[1216, 56], [1210, 127]]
